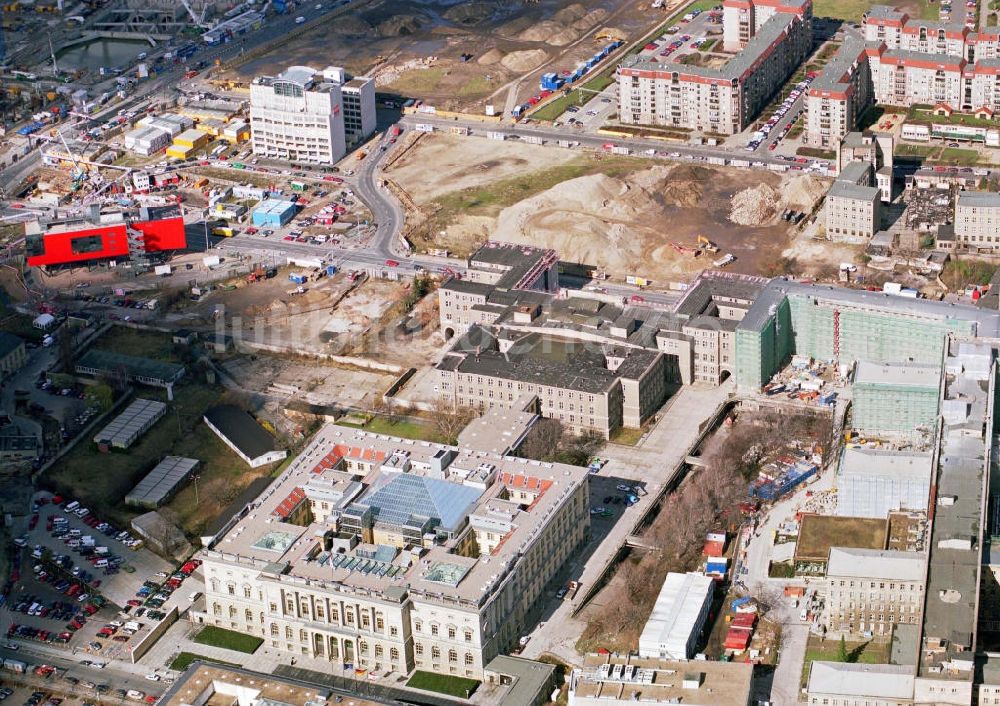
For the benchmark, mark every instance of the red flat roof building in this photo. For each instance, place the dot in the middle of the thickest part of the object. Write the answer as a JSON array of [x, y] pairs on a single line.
[[104, 236]]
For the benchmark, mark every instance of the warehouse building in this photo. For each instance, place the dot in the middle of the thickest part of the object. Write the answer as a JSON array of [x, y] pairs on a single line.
[[101, 363], [849, 684], [273, 213], [875, 482], [171, 123], [895, 399], [133, 422], [681, 608], [146, 140], [244, 435], [161, 483]]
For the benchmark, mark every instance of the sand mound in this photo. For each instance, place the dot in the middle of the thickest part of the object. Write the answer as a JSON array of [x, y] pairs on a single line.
[[590, 19], [561, 39], [491, 57], [470, 13], [554, 33], [516, 26], [349, 25], [596, 217], [401, 25], [570, 13], [526, 60], [754, 206], [803, 192]]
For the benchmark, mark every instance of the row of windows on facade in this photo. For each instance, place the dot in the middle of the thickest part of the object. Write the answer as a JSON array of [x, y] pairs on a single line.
[[491, 382], [510, 397], [879, 584]]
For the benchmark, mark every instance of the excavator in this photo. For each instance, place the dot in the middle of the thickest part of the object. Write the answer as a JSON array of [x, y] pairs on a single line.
[[707, 244]]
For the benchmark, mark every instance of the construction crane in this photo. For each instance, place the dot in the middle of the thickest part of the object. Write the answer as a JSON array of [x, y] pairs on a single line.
[[198, 20]]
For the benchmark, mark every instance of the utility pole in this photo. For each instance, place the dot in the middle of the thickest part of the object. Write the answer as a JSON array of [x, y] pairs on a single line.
[[55, 67]]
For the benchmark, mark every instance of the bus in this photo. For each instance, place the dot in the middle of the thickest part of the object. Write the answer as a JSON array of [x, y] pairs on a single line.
[[224, 231], [24, 76]]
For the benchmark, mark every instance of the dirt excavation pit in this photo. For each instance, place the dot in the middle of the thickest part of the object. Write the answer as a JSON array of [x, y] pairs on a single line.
[[626, 215], [646, 222]]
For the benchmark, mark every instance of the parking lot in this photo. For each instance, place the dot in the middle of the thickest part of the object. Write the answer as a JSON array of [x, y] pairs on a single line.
[[134, 565], [62, 574]]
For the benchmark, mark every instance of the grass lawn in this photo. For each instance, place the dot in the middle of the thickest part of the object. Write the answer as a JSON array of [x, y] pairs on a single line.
[[959, 273], [19, 324], [816, 152], [851, 10], [443, 684], [101, 481], [474, 86], [227, 639], [627, 437], [922, 151], [144, 344], [184, 660], [403, 428], [817, 533], [958, 157], [864, 652], [418, 81]]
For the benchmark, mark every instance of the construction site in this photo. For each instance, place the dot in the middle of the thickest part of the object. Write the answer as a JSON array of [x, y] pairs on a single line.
[[661, 219], [461, 56]]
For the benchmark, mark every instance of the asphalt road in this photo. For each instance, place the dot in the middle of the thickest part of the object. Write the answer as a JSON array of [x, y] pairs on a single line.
[[118, 675]]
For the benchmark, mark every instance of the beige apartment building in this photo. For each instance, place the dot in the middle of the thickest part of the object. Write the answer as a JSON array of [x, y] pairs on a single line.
[[977, 220], [392, 555], [870, 591], [853, 205], [773, 38]]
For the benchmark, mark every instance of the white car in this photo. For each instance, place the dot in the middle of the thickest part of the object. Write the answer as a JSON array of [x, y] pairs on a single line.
[[596, 510], [152, 677], [622, 487]]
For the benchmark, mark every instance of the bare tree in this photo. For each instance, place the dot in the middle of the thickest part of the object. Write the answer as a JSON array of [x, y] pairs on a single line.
[[543, 440], [448, 422]]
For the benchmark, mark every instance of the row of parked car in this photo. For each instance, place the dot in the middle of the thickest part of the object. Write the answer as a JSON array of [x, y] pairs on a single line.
[[28, 632], [786, 105]]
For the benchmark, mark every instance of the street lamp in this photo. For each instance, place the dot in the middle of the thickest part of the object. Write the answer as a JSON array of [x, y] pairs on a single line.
[[196, 499]]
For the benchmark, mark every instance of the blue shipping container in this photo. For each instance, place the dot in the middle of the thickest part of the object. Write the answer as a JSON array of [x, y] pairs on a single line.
[[331, 270]]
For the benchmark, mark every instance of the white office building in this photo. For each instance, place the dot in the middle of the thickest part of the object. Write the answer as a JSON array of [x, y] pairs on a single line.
[[297, 115], [678, 616], [358, 95]]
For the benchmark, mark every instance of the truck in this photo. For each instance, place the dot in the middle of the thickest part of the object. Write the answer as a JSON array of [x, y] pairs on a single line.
[[14, 665], [224, 231], [395, 131]]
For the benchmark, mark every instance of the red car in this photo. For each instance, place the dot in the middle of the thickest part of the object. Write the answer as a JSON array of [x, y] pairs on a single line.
[[134, 603], [289, 237], [391, 263]]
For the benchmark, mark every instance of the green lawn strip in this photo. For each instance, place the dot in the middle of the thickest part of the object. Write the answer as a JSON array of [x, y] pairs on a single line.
[[227, 639], [185, 659], [402, 428], [443, 684]]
